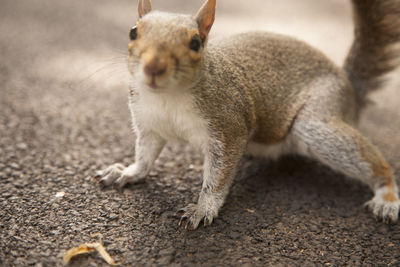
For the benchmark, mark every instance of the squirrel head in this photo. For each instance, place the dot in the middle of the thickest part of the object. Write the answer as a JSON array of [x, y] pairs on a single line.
[[165, 51]]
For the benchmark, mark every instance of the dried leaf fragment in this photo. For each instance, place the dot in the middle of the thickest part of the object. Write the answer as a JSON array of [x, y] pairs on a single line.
[[82, 249], [90, 247]]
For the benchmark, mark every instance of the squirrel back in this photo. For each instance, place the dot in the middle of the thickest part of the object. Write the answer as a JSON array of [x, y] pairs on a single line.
[[375, 51], [264, 79]]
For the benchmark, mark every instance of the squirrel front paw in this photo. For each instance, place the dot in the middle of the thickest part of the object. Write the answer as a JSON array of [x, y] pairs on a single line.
[[118, 175], [193, 214]]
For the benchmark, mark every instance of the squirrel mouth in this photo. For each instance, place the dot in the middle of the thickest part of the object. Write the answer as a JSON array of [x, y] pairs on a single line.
[[153, 83]]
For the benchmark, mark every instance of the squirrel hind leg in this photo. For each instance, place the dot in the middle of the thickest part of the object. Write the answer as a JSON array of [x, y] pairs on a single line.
[[344, 149]]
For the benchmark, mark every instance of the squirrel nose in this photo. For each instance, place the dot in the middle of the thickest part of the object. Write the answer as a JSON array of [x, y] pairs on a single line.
[[154, 68]]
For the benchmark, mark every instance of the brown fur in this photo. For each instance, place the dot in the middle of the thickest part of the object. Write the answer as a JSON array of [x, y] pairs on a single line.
[[205, 18], [374, 52], [271, 91], [144, 7], [391, 197], [380, 168]]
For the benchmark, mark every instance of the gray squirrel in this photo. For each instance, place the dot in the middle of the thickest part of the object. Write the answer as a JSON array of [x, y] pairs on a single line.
[[258, 93]]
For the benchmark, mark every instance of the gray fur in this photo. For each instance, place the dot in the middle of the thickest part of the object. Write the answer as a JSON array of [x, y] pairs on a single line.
[[238, 92]]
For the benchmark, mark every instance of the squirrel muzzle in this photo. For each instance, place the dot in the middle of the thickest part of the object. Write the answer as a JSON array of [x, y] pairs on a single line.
[[155, 64]]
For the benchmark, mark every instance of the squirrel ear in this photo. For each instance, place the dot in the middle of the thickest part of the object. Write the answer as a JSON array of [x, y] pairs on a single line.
[[205, 18], [144, 7]]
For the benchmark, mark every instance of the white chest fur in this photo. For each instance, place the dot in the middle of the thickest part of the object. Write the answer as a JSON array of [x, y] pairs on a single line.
[[173, 117]]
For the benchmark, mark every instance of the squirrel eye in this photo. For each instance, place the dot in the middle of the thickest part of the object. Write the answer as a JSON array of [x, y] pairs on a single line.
[[133, 33], [195, 43]]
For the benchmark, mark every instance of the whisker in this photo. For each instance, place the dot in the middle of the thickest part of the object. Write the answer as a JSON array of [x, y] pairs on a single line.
[[105, 72]]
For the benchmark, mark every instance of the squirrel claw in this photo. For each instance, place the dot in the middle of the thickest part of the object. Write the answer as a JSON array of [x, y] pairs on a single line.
[[207, 221], [192, 215], [181, 212], [101, 184], [183, 222], [98, 175], [108, 176], [190, 218], [118, 176]]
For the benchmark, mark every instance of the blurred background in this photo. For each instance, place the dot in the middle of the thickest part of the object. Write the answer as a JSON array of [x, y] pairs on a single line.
[[64, 115], [71, 40]]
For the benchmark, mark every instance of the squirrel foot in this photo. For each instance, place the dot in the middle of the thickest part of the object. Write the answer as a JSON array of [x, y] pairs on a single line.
[[384, 209], [193, 214], [118, 175]]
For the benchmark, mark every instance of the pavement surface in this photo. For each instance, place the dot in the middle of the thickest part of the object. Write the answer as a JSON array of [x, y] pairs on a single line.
[[64, 115]]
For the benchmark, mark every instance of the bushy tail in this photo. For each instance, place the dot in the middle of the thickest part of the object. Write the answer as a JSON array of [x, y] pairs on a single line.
[[376, 49]]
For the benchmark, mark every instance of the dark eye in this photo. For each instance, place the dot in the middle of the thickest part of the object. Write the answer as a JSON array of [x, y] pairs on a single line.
[[195, 43], [133, 33]]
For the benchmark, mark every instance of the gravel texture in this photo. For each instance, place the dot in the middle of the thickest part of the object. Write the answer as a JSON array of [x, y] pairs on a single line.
[[64, 115]]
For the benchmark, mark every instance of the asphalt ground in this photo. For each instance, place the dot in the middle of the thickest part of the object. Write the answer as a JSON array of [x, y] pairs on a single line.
[[64, 115]]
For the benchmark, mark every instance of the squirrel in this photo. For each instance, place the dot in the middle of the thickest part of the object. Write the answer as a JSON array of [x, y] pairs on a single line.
[[256, 93]]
